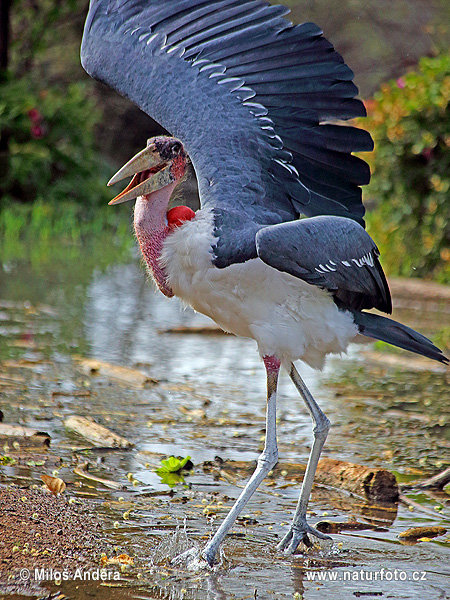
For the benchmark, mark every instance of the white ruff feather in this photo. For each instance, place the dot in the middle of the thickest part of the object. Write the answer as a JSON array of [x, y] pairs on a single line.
[[286, 316]]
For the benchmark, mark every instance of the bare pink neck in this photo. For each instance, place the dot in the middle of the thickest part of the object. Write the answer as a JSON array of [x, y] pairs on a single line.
[[150, 224]]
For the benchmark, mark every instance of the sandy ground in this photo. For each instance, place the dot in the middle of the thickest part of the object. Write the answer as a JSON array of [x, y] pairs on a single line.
[[41, 531]]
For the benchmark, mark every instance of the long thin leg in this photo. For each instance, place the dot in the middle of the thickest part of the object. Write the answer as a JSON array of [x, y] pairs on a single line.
[[299, 529], [266, 461]]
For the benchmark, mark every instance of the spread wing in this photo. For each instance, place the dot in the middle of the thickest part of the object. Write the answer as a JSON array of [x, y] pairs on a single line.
[[247, 93]]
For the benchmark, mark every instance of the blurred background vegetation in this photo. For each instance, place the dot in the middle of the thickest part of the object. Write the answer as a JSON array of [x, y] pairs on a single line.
[[62, 134]]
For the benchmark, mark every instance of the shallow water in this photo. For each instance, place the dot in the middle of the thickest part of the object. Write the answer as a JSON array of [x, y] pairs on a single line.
[[209, 402]]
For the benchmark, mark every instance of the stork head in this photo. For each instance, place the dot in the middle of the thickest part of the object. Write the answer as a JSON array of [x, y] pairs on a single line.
[[160, 164]]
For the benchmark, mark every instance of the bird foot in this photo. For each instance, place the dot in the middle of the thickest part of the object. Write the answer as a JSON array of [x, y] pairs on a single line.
[[209, 554], [193, 560], [299, 533]]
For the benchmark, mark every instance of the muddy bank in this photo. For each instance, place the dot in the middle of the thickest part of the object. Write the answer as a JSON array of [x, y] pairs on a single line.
[[43, 535]]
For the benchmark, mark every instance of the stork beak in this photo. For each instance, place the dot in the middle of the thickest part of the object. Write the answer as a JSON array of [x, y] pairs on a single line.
[[149, 173]]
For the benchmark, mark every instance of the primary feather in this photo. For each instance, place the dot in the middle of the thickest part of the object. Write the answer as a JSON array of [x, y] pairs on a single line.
[[244, 89]]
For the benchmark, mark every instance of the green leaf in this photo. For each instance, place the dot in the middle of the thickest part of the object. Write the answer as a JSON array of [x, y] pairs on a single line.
[[172, 465], [170, 472]]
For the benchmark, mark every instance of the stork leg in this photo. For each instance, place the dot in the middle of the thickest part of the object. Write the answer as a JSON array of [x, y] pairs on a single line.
[[266, 461], [299, 529]]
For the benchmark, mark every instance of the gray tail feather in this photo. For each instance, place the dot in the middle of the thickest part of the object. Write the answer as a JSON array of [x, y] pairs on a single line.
[[387, 330]]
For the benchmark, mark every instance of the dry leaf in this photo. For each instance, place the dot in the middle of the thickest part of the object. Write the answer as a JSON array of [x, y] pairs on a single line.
[[122, 559], [82, 472], [55, 484]]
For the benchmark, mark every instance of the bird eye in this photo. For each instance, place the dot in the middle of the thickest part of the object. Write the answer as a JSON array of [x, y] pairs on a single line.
[[176, 148]]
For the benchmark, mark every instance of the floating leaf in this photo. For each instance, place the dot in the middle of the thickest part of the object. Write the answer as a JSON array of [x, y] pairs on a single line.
[[172, 465], [170, 472]]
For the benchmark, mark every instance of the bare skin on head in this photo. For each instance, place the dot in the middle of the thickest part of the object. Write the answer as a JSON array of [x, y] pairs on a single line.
[[156, 172]]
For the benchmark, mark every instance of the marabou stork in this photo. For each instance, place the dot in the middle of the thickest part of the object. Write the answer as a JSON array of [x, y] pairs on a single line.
[[249, 98]]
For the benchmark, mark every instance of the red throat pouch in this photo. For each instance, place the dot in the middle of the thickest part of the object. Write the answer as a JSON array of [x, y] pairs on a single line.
[[178, 215]]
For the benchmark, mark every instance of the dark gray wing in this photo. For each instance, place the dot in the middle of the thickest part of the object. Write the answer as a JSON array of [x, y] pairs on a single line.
[[331, 252], [246, 92]]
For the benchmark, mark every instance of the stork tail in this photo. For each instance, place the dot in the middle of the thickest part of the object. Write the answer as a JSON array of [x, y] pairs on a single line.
[[388, 330]]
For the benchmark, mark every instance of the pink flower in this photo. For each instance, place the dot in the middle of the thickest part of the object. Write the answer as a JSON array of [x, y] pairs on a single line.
[[427, 153], [34, 115], [37, 132], [401, 83]]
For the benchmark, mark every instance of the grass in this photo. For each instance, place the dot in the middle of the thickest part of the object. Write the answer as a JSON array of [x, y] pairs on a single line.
[[36, 230]]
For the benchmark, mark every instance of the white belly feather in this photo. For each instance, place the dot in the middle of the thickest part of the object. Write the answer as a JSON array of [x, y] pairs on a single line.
[[286, 316]]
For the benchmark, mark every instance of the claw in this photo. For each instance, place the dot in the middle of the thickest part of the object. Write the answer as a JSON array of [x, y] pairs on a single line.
[[297, 534]]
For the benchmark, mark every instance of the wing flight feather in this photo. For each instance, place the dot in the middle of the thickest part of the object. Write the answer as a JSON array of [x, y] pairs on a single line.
[[247, 93]]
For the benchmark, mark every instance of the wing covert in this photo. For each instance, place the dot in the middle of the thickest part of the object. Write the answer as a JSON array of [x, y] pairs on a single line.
[[331, 252]]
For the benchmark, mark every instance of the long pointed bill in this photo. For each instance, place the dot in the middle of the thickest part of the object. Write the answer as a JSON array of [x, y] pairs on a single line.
[[145, 159], [150, 174], [144, 183]]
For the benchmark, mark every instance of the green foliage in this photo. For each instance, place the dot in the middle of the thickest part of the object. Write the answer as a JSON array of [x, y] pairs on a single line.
[[171, 470], [37, 227], [172, 465], [47, 150], [41, 32], [409, 120], [51, 153]]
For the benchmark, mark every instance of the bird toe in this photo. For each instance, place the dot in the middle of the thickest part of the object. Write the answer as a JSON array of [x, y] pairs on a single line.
[[297, 534]]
